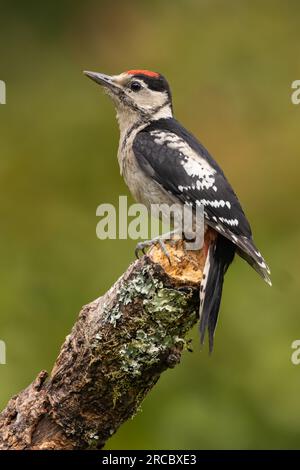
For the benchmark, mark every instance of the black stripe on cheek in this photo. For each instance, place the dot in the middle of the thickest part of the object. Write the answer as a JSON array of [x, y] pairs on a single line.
[[156, 83]]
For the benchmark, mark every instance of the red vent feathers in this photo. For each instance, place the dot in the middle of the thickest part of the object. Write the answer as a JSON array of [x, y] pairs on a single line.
[[148, 73]]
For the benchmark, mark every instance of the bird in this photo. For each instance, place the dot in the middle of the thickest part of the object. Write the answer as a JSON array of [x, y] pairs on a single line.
[[162, 162]]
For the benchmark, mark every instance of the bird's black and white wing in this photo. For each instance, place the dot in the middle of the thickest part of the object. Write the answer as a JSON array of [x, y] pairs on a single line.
[[177, 161]]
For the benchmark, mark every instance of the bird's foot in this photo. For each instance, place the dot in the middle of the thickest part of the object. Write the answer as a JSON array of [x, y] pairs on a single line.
[[141, 246]]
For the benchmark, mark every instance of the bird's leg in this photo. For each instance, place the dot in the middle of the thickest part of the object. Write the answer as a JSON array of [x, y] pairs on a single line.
[[159, 240], [141, 246]]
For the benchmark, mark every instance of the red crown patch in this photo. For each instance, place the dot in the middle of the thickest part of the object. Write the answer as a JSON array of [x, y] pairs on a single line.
[[148, 73]]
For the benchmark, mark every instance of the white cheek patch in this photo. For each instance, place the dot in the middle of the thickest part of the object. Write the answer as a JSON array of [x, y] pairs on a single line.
[[151, 101]]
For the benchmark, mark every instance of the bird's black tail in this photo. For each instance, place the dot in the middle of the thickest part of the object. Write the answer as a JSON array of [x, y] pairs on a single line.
[[220, 255]]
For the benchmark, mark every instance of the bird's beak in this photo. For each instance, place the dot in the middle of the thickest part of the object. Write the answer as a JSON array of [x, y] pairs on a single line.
[[102, 79]]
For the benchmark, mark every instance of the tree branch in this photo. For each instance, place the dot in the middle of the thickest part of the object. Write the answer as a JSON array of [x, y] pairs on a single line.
[[116, 351]]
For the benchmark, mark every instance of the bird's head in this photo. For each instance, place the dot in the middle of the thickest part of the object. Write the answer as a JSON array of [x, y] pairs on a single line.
[[139, 94]]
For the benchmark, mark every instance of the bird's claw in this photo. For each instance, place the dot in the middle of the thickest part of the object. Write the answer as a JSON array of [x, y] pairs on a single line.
[[141, 246]]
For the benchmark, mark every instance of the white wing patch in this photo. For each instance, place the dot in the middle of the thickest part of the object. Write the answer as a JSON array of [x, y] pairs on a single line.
[[231, 222], [202, 170], [198, 168], [215, 203], [193, 164]]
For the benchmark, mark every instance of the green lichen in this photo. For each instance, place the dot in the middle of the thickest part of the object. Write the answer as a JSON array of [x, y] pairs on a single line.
[[164, 325], [142, 349], [112, 315], [150, 337], [138, 286]]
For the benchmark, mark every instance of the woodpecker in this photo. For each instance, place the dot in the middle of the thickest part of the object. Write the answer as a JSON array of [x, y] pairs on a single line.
[[163, 163]]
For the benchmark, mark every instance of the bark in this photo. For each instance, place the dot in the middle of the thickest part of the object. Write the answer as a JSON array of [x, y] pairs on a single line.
[[114, 355]]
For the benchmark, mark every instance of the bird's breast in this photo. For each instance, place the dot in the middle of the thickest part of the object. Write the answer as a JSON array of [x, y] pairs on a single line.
[[144, 190]]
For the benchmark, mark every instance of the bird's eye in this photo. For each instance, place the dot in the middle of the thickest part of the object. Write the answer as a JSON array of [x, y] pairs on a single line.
[[135, 86]]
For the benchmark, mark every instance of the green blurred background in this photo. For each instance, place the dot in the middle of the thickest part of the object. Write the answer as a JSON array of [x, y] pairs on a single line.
[[230, 65]]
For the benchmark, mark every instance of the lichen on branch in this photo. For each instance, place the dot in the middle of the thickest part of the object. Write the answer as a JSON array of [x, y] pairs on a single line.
[[114, 355]]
